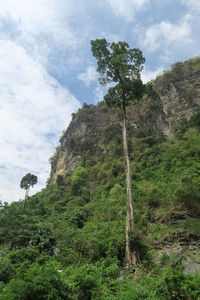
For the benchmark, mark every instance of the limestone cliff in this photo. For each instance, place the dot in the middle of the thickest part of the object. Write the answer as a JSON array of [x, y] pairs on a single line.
[[178, 98]]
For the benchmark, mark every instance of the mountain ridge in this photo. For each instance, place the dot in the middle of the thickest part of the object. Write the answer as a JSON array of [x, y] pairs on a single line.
[[178, 98]]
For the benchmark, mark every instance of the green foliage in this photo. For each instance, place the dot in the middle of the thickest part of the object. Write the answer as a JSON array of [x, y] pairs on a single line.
[[37, 282], [179, 71], [43, 239], [78, 217], [180, 129], [117, 63], [77, 224], [164, 259], [195, 119], [28, 180], [141, 249], [60, 180], [172, 284], [6, 270], [122, 94], [84, 282], [192, 224], [17, 257], [54, 158], [78, 180]]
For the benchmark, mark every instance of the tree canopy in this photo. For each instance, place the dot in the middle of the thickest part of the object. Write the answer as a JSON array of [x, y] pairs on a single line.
[[118, 63], [29, 180]]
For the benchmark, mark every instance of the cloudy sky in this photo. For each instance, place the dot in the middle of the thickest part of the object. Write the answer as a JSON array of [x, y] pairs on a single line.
[[47, 70]]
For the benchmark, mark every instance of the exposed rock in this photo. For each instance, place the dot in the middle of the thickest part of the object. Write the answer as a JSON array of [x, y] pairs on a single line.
[[178, 216], [182, 245], [181, 238], [191, 264], [179, 97]]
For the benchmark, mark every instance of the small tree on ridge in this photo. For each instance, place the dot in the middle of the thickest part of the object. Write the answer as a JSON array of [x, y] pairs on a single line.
[[29, 180]]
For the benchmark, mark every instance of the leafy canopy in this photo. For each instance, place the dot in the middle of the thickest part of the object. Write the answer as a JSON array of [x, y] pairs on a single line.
[[28, 180], [118, 63]]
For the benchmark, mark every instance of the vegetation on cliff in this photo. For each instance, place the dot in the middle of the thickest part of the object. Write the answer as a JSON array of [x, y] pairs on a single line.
[[69, 242]]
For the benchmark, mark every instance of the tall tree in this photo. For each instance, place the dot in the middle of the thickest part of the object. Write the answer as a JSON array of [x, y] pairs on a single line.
[[117, 63], [29, 180]]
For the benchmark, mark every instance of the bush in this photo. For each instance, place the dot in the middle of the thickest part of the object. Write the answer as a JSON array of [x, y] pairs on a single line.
[[37, 282], [84, 282], [78, 180], [7, 271], [141, 249], [16, 257], [195, 119], [180, 129]]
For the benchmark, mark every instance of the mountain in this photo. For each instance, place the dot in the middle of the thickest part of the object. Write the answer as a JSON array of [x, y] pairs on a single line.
[[179, 98], [69, 240]]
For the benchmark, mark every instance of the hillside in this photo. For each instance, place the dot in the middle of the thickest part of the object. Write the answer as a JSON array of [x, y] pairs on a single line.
[[69, 241], [179, 98]]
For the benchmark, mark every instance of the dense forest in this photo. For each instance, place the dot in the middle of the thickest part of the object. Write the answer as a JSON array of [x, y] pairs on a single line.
[[68, 242]]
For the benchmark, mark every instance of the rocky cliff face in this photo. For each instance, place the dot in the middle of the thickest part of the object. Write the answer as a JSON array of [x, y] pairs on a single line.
[[179, 97], [179, 91]]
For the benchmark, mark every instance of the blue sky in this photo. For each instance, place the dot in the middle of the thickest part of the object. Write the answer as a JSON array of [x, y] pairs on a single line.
[[47, 69]]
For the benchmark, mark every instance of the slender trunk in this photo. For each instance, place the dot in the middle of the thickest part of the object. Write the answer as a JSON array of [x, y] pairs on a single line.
[[130, 255], [26, 196]]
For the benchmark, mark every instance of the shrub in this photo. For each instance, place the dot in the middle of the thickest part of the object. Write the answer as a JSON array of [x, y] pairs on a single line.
[[6, 270], [78, 180], [37, 282], [16, 257]]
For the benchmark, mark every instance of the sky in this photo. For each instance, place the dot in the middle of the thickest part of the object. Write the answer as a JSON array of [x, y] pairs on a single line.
[[47, 70]]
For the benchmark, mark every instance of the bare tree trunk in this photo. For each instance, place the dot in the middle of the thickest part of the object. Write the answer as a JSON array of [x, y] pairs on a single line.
[[26, 196], [130, 255]]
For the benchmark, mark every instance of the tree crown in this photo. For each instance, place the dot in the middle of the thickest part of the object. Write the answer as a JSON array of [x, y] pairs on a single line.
[[28, 180], [116, 62]]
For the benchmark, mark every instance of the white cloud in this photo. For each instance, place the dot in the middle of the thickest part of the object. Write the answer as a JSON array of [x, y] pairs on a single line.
[[40, 26], [150, 75], [39, 16], [89, 76], [34, 109], [127, 8], [166, 33], [192, 4], [99, 93]]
